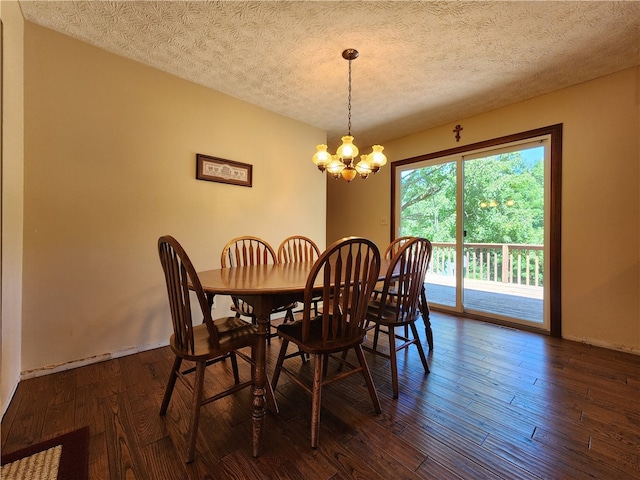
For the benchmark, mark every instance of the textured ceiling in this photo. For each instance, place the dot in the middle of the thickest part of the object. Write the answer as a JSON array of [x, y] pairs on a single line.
[[421, 64]]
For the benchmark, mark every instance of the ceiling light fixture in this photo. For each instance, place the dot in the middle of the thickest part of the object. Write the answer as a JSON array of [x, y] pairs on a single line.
[[341, 164]]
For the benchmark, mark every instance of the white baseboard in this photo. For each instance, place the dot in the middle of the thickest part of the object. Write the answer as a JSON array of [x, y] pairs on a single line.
[[600, 343], [39, 372]]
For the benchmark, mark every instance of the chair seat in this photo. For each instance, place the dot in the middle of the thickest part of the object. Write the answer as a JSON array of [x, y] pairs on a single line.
[[233, 334], [315, 344], [388, 316], [247, 310]]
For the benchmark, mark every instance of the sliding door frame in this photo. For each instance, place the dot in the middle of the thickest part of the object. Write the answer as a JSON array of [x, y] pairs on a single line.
[[555, 208]]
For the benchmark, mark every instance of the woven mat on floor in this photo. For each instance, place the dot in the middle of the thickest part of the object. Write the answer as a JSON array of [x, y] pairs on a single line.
[[62, 458]]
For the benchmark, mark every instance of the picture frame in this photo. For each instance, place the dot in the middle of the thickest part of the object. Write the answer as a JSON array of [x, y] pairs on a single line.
[[214, 169]]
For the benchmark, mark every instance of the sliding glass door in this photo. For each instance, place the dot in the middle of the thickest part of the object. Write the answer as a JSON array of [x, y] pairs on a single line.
[[503, 232], [428, 208], [485, 213]]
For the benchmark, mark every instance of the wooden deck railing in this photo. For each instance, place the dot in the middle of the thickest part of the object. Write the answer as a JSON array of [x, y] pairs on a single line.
[[496, 262]]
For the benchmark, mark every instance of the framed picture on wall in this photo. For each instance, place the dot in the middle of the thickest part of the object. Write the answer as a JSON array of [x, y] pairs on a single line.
[[214, 169]]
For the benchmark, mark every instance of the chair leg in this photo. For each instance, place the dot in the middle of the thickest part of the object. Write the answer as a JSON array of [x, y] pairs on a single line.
[[170, 384], [393, 360], [234, 367], [278, 367], [198, 387], [343, 356], [368, 379], [319, 361], [376, 333], [420, 349], [288, 316], [325, 364], [271, 397]]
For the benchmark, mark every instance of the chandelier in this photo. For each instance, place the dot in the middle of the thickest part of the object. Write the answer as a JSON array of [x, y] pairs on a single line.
[[342, 163]]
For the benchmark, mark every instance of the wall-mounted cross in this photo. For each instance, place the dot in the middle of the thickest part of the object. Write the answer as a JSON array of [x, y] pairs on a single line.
[[457, 131]]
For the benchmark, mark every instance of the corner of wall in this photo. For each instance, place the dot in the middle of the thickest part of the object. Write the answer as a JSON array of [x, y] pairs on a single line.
[[11, 245]]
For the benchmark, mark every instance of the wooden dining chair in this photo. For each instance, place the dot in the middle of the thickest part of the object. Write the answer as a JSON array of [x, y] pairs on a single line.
[[297, 249], [398, 305], [348, 270], [395, 245], [390, 251], [248, 250], [204, 344]]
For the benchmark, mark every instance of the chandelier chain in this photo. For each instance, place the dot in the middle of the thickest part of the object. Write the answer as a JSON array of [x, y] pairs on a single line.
[[349, 102]]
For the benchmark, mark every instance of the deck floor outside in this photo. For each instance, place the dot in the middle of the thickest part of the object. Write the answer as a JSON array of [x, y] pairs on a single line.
[[515, 301]]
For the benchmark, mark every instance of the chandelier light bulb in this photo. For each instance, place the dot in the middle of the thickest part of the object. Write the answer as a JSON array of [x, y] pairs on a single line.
[[347, 151], [363, 167], [335, 167], [377, 159], [322, 158]]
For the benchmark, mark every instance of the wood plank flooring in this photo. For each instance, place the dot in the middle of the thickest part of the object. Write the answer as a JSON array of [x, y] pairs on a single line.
[[498, 403]]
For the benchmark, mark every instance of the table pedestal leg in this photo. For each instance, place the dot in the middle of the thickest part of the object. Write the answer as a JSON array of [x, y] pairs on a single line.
[[262, 309]]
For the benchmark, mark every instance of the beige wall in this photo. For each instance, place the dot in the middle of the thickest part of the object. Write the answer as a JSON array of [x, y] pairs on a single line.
[[12, 186], [110, 149], [600, 198]]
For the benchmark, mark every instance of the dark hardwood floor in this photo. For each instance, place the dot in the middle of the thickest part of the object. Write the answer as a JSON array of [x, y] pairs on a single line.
[[498, 403]]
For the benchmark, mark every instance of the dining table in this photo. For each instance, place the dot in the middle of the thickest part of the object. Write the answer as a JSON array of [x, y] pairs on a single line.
[[265, 287]]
